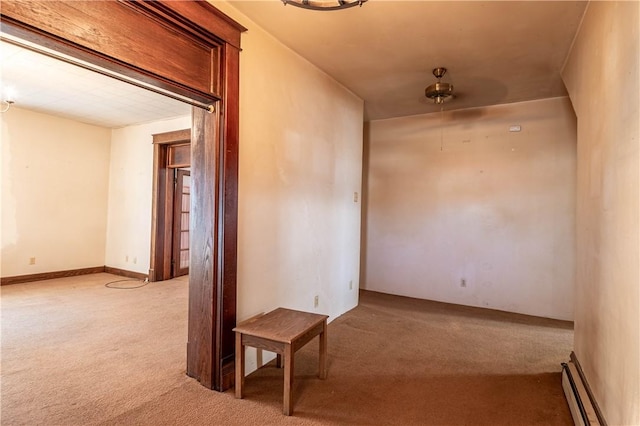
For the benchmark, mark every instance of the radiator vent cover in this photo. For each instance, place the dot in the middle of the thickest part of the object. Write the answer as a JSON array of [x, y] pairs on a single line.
[[583, 409]]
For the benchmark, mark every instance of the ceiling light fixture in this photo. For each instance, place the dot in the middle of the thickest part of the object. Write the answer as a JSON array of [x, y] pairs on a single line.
[[439, 91], [324, 5], [8, 103]]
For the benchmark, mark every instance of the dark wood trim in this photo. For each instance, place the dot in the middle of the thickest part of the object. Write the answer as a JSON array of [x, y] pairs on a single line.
[[178, 208], [50, 275], [215, 246], [159, 266], [179, 155], [110, 37], [125, 273], [203, 350], [172, 137], [71, 273], [191, 49], [228, 208], [162, 203], [207, 19]]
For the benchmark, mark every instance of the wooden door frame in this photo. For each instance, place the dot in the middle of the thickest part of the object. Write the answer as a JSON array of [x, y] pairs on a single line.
[[162, 202], [191, 49]]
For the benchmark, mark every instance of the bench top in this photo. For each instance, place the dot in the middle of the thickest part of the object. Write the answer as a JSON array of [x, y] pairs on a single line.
[[281, 325]]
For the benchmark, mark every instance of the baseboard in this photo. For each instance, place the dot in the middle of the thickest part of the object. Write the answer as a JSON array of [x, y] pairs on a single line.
[[124, 273], [18, 279], [583, 406], [227, 372], [50, 275]]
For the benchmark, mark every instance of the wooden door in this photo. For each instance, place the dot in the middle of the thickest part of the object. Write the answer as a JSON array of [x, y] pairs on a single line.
[[181, 203]]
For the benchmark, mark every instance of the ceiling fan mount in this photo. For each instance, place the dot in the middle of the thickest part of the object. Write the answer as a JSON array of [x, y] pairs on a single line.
[[439, 91]]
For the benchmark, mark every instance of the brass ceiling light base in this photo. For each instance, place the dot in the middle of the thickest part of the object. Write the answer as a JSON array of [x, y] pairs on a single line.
[[439, 91], [324, 5]]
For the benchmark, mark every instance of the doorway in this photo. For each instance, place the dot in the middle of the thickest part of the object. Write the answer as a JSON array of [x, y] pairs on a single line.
[[171, 205], [201, 47]]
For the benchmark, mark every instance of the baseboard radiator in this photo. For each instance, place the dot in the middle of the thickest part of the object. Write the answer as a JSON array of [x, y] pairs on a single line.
[[584, 409]]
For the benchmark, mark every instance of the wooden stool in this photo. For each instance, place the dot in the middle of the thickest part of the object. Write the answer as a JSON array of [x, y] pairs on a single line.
[[282, 331]]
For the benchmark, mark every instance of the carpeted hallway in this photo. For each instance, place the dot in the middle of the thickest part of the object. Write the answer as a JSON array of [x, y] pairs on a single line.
[[77, 353]]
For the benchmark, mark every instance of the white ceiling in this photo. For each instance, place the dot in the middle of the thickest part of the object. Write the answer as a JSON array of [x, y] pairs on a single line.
[[496, 52], [40, 83]]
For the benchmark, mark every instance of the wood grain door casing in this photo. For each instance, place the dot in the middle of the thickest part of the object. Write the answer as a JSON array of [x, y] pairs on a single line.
[[191, 49], [165, 158], [111, 35]]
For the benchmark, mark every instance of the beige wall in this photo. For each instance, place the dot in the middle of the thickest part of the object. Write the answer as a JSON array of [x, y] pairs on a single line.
[[128, 242], [457, 196], [603, 79], [76, 195], [300, 164], [54, 193]]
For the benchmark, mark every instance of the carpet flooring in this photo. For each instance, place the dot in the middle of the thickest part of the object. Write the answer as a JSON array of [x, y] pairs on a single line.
[[74, 352]]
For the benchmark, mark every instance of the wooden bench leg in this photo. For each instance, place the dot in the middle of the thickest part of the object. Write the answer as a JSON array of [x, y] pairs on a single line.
[[239, 365], [279, 361], [288, 380], [322, 367]]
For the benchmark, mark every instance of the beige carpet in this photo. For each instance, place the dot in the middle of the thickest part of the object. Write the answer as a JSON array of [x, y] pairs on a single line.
[[77, 353]]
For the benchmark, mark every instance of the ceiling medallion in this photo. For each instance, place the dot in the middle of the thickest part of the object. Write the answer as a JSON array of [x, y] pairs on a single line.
[[324, 5], [439, 91]]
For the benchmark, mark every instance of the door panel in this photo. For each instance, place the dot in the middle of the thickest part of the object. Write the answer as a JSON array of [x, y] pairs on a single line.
[[180, 258]]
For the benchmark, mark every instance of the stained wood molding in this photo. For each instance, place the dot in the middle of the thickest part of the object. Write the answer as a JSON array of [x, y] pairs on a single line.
[[124, 273], [18, 279], [115, 41], [50, 275], [162, 202], [191, 49], [176, 136]]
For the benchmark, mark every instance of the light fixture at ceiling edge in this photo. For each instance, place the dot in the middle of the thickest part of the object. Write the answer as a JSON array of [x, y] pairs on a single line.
[[438, 91], [324, 5], [8, 103]]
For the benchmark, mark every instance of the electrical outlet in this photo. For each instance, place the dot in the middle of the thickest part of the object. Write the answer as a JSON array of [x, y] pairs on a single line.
[[355, 197], [350, 284], [126, 258], [32, 261], [135, 260], [463, 282], [316, 300]]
